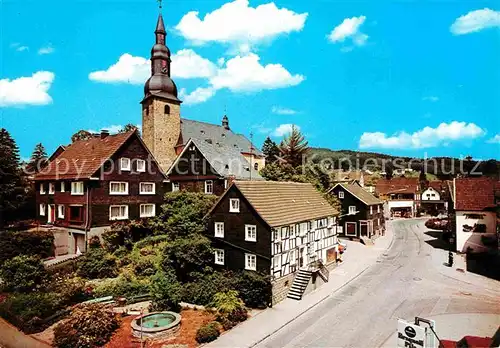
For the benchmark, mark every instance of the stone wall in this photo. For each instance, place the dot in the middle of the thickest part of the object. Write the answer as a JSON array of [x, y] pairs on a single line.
[[281, 287]]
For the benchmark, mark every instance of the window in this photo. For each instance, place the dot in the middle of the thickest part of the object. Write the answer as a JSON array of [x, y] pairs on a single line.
[[147, 210], [256, 166], [42, 209], [118, 212], [321, 223], [219, 256], [341, 194], [77, 188], [42, 189], [124, 163], [63, 187], [52, 188], [175, 187], [371, 209], [76, 213], [275, 235], [60, 211], [166, 110], [141, 165], [219, 229], [251, 233], [352, 209], [378, 208], [209, 187], [234, 205], [118, 188], [250, 262], [292, 257], [147, 188], [378, 222]]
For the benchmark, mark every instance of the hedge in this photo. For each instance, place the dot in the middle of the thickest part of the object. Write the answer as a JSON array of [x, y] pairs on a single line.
[[38, 243]]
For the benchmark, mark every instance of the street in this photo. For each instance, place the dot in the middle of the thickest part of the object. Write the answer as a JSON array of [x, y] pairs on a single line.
[[404, 283]]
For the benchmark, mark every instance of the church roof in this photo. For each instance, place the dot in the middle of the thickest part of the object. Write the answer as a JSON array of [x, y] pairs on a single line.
[[207, 132]]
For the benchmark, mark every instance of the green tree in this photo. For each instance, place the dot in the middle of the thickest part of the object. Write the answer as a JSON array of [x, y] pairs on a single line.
[[271, 150], [128, 127], [278, 172], [166, 292], [39, 159], [294, 147], [22, 273], [12, 194], [81, 135]]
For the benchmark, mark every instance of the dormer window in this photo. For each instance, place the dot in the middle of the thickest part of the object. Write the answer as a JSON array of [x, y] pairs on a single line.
[[341, 194], [141, 165], [125, 163], [167, 110]]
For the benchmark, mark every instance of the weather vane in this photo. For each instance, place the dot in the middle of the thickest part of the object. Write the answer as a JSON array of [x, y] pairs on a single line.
[[159, 3]]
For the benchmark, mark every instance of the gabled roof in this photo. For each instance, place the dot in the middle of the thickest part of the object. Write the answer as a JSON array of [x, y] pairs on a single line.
[[217, 135], [81, 159], [284, 203], [475, 194], [360, 193], [226, 161], [397, 185]]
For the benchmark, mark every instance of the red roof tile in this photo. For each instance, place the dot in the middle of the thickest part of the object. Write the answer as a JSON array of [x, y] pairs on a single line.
[[83, 158], [396, 185], [475, 193]]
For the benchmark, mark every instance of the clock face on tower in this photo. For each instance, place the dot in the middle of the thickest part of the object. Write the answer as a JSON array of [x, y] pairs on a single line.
[[164, 68]]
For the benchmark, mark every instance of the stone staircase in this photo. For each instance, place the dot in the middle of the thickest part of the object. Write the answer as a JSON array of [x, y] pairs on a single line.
[[299, 284]]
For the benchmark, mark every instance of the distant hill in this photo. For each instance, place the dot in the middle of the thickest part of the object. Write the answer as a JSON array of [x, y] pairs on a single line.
[[442, 167]]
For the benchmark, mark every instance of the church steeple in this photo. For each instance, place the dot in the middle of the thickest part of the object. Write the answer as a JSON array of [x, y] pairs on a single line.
[[160, 83]]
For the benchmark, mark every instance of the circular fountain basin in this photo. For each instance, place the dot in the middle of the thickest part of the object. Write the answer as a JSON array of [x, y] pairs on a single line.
[[156, 325]]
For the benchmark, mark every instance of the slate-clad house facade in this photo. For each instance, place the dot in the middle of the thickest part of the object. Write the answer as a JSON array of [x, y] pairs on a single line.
[[362, 213], [275, 228], [92, 183]]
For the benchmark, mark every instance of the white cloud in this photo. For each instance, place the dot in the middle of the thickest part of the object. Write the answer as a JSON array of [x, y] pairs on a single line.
[[349, 28], [283, 111], [186, 64], [245, 74], [112, 129], [199, 95], [495, 139], [46, 50], [128, 69], [431, 98], [237, 22], [426, 137], [31, 90], [284, 129], [18, 47], [475, 21]]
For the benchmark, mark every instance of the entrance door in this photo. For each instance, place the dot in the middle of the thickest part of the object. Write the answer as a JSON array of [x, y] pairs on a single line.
[[302, 257], [52, 213]]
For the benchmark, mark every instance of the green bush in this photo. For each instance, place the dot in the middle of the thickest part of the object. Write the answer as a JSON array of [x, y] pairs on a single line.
[[97, 264], [22, 274], [204, 286], [38, 243], [151, 241], [27, 311], [123, 286], [208, 333], [94, 242], [88, 326], [166, 292], [254, 289], [71, 288], [145, 267], [230, 308], [125, 234]]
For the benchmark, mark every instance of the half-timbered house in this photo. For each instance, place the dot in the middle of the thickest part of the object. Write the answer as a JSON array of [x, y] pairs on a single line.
[[276, 228]]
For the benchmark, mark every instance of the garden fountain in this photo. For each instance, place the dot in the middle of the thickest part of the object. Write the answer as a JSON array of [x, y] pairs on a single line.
[[156, 325]]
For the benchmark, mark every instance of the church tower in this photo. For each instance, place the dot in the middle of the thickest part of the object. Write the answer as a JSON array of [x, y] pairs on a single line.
[[161, 120]]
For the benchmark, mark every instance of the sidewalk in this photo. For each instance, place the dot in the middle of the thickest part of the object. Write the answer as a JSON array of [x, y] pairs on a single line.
[[357, 259]]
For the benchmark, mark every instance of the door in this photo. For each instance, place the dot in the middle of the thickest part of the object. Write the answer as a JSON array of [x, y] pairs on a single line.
[[302, 257], [52, 214]]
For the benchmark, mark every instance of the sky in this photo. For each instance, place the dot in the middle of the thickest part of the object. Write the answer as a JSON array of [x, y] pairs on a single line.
[[409, 78]]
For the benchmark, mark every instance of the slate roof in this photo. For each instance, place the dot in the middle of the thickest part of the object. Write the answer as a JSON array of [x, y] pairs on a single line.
[[397, 185], [217, 135], [475, 194], [360, 193], [227, 161], [81, 159], [284, 203]]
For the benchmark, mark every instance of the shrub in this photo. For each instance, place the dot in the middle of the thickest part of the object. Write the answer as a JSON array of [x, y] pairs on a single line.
[[208, 333], [96, 264], [94, 242], [22, 273], [227, 302], [88, 326], [125, 285], [71, 289], [254, 289], [205, 285], [39, 243], [145, 267], [27, 311], [151, 241], [125, 234], [166, 292]]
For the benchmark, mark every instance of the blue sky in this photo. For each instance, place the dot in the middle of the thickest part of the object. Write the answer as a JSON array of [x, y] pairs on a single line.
[[406, 78]]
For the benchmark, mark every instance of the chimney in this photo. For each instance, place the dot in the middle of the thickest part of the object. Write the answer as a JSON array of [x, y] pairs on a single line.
[[104, 133], [225, 122]]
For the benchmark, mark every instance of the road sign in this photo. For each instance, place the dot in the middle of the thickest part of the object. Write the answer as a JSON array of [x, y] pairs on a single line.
[[410, 335]]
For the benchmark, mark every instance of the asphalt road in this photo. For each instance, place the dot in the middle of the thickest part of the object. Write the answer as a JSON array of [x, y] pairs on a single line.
[[403, 284]]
